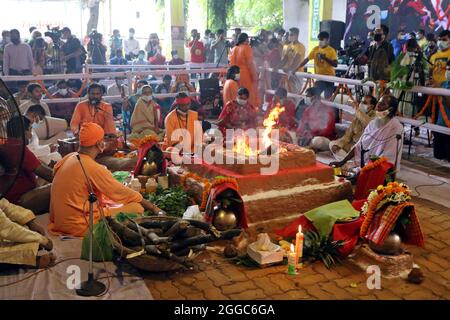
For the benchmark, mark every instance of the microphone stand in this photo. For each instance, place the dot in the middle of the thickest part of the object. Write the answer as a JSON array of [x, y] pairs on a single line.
[[90, 287]]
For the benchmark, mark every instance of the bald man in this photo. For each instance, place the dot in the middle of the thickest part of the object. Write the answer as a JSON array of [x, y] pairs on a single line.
[[69, 209]]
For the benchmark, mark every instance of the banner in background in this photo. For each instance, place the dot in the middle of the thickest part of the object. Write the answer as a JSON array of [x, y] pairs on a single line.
[[409, 15]]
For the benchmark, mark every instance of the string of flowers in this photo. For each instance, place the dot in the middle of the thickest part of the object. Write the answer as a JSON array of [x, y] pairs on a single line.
[[374, 164], [394, 192]]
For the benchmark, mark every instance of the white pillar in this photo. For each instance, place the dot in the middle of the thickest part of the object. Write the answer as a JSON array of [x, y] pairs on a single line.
[[296, 14]]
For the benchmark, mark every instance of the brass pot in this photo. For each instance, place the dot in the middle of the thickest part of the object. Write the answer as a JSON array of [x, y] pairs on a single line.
[[224, 219], [149, 169], [391, 246]]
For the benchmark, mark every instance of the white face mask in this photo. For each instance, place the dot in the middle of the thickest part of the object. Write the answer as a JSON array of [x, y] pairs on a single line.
[[237, 77], [241, 102], [442, 45], [63, 92], [323, 43], [147, 98], [382, 114], [363, 107], [131, 35]]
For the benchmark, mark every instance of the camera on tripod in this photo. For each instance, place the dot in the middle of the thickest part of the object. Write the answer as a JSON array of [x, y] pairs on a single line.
[[351, 51], [95, 37], [54, 34]]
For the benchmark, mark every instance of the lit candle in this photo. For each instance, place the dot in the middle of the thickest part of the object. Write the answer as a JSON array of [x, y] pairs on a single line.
[[292, 261], [298, 246]]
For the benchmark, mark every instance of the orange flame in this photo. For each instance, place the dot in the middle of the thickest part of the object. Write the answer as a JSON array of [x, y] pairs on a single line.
[[269, 122], [241, 146]]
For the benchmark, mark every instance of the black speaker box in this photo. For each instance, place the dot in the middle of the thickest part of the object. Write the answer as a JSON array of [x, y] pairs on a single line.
[[336, 29]]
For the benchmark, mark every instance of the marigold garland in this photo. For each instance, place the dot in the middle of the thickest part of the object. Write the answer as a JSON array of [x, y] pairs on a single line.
[[208, 186], [138, 142], [372, 204], [374, 164]]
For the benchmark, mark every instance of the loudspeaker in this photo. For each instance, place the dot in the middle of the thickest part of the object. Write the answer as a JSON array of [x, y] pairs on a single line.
[[336, 29], [209, 88]]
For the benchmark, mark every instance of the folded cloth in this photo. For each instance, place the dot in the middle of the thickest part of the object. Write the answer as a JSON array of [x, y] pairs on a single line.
[[369, 180], [385, 220], [323, 218]]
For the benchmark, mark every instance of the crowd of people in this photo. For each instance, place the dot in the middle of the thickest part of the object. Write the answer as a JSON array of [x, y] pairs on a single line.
[[242, 104]]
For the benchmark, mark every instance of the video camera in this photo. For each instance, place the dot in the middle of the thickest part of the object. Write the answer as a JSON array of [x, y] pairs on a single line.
[[352, 50], [95, 37], [54, 34]]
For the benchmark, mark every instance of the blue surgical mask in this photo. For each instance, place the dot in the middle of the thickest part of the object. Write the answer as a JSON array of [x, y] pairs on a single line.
[[35, 125]]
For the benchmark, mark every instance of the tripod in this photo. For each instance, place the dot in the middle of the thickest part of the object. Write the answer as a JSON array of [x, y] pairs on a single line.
[[90, 287]]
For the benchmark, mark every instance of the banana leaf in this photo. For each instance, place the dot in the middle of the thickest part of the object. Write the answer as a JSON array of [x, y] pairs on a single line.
[[102, 247]]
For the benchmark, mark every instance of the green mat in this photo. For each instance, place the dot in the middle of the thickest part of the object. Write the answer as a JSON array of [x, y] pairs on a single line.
[[323, 218]]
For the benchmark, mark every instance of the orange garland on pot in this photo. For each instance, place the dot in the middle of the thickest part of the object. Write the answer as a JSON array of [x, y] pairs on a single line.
[[138, 142], [377, 196], [374, 164]]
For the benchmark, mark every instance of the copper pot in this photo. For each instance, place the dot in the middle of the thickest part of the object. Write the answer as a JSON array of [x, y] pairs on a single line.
[[224, 219], [391, 246]]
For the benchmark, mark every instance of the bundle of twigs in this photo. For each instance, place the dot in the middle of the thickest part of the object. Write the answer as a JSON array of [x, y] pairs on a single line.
[[170, 239]]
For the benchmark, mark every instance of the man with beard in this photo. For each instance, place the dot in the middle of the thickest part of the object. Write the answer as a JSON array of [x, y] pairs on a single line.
[[17, 57]]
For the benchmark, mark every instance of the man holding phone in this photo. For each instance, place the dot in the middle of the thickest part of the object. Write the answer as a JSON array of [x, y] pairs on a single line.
[[325, 60]]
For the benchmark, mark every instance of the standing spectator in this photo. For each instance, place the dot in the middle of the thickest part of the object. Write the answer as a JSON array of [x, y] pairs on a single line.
[[118, 58], [131, 46], [380, 55], [39, 55], [421, 39], [176, 60], [242, 56], [153, 46], [431, 46], [196, 48], [115, 43], [5, 40], [17, 57], [96, 48], [235, 36], [207, 40], [74, 53], [164, 88], [441, 142], [219, 48], [325, 60], [439, 60], [274, 59], [279, 33], [399, 42], [140, 60], [292, 57]]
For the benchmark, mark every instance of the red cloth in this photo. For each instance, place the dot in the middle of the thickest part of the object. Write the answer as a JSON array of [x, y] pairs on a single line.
[[242, 218], [198, 52], [142, 153], [318, 121], [349, 231], [287, 118], [26, 180], [157, 60], [371, 179]]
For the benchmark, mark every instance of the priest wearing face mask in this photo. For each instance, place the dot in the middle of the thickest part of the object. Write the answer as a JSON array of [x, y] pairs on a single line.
[[363, 115], [94, 110], [238, 114], [68, 210], [63, 109], [380, 136], [181, 117], [146, 115], [231, 86]]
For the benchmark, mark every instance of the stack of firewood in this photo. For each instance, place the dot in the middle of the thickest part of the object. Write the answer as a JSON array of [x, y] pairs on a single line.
[[171, 238]]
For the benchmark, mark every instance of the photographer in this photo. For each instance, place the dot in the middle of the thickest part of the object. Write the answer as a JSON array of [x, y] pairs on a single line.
[[96, 49], [196, 48], [220, 46], [380, 55], [74, 53]]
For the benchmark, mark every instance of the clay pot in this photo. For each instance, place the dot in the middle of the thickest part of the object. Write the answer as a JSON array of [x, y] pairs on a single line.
[[391, 246], [224, 219], [149, 169]]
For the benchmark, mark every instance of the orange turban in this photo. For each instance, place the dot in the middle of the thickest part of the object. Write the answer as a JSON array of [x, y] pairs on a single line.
[[90, 134]]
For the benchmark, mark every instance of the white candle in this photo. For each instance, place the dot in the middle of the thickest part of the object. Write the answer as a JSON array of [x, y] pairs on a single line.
[[298, 245], [292, 261]]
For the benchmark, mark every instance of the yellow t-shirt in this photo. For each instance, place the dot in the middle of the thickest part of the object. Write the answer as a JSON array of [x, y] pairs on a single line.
[[439, 61], [320, 66], [297, 48]]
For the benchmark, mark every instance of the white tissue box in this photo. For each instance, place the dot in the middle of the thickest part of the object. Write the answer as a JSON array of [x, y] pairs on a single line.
[[275, 255]]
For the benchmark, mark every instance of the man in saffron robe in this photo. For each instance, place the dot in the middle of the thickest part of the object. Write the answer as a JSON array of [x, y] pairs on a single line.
[[94, 110], [69, 208], [231, 86]]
